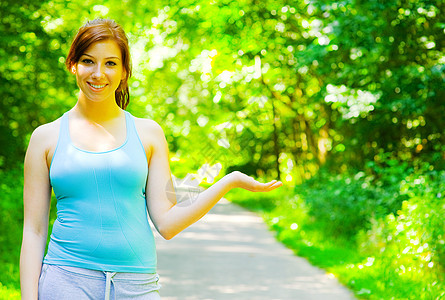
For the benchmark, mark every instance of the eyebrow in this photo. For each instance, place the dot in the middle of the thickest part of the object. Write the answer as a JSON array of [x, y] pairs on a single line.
[[111, 57]]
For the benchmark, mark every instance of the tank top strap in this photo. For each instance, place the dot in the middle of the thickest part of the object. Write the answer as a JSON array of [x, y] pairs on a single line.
[[131, 128], [64, 138]]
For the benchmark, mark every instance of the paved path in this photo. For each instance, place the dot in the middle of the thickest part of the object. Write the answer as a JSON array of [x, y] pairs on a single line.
[[230, 254]]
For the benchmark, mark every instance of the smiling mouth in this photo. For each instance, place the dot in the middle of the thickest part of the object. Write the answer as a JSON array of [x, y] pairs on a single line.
[[97, 86]]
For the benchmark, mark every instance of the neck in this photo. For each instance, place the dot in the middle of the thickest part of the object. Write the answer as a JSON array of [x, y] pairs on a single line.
[[98, 112]]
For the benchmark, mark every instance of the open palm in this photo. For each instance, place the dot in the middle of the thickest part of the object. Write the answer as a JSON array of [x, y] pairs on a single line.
[[248, 183]]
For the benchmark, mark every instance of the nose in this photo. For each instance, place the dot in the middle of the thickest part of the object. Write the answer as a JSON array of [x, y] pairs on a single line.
[[98, 71]]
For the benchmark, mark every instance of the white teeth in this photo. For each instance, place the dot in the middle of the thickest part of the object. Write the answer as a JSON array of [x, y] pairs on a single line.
[[97, 86]]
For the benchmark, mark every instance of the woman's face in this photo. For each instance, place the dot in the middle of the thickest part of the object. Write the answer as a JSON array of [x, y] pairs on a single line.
[[99, 71]]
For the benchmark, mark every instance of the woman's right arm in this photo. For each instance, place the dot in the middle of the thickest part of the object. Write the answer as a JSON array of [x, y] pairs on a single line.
[[36, 199]]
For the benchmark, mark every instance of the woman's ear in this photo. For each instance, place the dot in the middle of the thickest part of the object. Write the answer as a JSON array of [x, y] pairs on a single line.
[[73, 69]]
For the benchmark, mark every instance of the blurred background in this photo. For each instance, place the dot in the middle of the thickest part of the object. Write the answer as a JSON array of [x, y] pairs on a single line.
[[344, 101]]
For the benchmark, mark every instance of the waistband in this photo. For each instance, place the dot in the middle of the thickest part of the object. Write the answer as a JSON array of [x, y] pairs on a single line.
[[110, 277], [102, 274]]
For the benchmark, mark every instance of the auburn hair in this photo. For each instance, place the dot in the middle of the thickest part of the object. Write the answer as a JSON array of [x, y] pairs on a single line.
[[101, 30]]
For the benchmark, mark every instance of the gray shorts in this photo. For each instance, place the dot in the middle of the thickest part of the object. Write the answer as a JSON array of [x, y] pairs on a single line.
[[65, 283]]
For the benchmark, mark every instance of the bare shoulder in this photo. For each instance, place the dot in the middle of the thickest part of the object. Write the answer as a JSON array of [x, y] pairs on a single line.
[[43, 141], [149, 130], [148, 125], [151, 135], [45, 134]]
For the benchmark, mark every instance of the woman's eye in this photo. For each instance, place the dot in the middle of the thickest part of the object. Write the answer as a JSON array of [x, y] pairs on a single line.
[[111, 63], [87, 61]]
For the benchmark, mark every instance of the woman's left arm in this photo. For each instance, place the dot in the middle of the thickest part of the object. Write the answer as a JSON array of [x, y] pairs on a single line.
[[170, 218]]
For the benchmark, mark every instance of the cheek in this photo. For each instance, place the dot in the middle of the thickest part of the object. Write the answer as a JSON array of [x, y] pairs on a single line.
[[81, 71], [116, 75]]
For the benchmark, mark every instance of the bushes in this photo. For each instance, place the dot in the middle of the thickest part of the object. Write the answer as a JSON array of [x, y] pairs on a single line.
[[342, 205], [345, 204], [410, 244], [418, 225]]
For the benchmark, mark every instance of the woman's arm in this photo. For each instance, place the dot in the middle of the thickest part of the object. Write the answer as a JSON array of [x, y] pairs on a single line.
[[179, 217], [170, 218], [36, 199]]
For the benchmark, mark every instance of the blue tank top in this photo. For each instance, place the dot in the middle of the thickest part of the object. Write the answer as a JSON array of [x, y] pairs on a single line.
[[101, 210]]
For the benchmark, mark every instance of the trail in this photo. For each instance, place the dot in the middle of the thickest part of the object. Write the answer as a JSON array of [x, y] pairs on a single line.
[[230, 254]]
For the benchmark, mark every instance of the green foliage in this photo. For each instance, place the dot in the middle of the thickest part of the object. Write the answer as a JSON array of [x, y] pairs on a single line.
[[10, 294], [11, 221], [392, 50], [324, 82], [410, 244], [33, 83], [345, 204], [342, 205]]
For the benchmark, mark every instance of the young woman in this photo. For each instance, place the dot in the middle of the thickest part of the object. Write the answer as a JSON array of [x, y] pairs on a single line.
[[107, 169]]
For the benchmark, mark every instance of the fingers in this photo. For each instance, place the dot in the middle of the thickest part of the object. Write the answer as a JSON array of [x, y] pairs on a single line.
[[269, 186], [253, 185], [274, 185]]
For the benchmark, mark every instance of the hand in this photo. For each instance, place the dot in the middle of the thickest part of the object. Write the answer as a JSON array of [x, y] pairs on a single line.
[[243, 181]]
